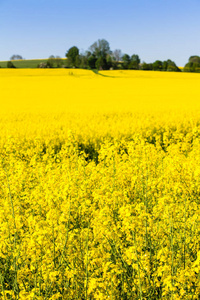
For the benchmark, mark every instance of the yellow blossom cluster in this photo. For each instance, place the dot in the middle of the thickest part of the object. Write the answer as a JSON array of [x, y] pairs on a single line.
[[99, 185]]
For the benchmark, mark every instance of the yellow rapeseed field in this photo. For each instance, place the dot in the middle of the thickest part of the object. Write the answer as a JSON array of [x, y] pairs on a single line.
[[99, 185]]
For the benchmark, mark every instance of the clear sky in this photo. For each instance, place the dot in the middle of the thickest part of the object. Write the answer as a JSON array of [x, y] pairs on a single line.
[[153, 29]]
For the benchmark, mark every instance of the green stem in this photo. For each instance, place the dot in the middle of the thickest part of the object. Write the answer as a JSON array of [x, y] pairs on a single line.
[[2, 287], [184, 245], [66, 238], [86, 269], [140, 286], [15, 284], [172, 254]]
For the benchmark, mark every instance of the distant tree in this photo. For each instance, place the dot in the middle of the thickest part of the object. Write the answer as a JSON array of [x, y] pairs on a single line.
[[10, 65], [91, 61], [194, 59], [150, 66], [51, 61], [49, 64], [69, 63], [58, 62], [83, 61], [71, 56], [192, 67], [88, 54], [111, 64], [196, 67], [100, 48], [42, 65], [157, 65], [16, 57], [134, 62], [171, 66], [126, 61], [165, 65], [189, 67], [193, 64], [54, 62], [117, 55], [146, 67], [77, 61], [101, 63]]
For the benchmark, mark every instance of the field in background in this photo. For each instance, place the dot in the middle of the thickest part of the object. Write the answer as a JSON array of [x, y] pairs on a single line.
[[100, 177], [27, 63]]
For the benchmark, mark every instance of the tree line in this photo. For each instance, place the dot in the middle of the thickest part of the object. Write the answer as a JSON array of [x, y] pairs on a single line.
[[193, 64], [100, 57]]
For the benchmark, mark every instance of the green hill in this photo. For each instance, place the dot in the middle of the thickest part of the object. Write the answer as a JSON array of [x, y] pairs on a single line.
[[27, 63]]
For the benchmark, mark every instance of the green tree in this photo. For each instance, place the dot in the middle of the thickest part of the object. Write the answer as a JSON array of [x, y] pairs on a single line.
[[165, 65], [157, 65], [58, 62], [192, 67], [101, 63], [91, 61], [54, 62], [194, 59], [126, 61], [111, 64], [51, 61], [193, 64], [117, 55], [171, 66], [71, 56], [100, 48], [134, 62], [146, 67], [83, 61], [10, 65], [77, 61], [16, 57]]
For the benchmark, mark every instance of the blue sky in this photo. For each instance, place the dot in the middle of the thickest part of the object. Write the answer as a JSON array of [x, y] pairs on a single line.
[[153, 29]]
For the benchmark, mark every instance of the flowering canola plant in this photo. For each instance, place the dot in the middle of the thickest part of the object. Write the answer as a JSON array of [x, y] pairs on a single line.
[[100, 185]]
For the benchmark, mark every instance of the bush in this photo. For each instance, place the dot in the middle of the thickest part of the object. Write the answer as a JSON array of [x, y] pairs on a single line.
[[42, 65], [10, 65]]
